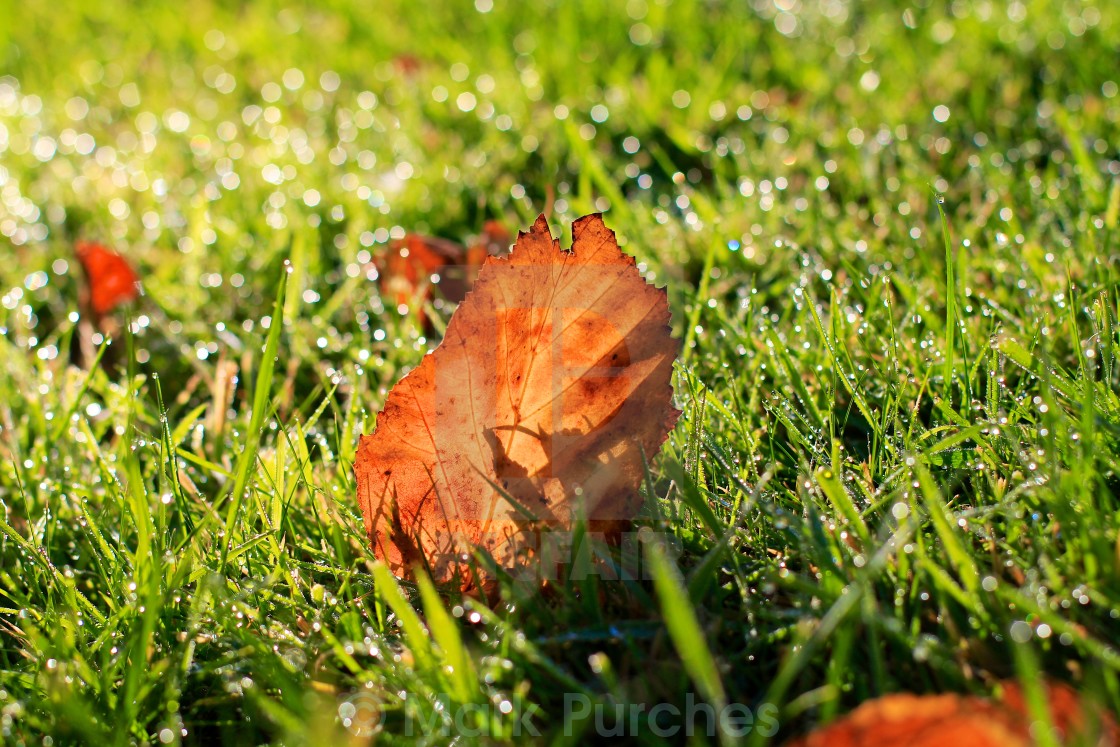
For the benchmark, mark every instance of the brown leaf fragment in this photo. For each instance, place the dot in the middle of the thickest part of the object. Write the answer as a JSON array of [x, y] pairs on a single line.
[[550, 386]]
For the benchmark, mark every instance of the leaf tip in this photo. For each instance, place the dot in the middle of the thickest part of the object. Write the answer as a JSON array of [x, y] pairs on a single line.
[[540, 225], [593, 221]]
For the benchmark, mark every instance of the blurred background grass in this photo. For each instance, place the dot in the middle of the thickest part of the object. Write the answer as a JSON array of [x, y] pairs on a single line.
[[779, 165]]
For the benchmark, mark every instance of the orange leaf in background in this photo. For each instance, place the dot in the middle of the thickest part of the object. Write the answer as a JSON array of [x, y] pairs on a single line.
[[905, 720], [411, 263], [494, 241], [550, 388], [111, 279], [408, 64]]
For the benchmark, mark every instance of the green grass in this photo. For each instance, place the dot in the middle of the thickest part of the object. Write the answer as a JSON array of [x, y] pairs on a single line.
[[897, 463]]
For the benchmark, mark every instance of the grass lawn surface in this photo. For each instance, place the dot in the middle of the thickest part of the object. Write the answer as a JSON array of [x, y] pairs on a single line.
[[889, 238]]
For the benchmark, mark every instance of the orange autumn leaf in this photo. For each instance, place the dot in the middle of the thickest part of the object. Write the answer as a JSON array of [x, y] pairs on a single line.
[[550, 388], [961, 721], [111, 280], [920, 721]]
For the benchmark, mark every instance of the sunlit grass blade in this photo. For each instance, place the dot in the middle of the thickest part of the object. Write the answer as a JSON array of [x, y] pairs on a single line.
[[262, 394], [684, 627]]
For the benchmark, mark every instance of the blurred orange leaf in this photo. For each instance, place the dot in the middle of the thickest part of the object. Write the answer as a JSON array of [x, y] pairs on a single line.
[[413, 263], [405, 270], [962, 721], [111, 280]]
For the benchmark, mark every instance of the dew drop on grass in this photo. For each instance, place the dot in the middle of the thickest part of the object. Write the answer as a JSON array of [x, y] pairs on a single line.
[[1021, 631]]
